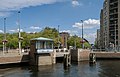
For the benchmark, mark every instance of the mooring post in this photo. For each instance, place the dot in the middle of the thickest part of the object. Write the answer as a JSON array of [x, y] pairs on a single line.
[[67, 60], [92, 58]]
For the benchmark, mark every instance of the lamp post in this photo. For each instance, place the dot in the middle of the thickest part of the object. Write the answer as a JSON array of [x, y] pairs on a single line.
[[19, 37], [58, 38], [75, 42], [82, 34], [4, 40]]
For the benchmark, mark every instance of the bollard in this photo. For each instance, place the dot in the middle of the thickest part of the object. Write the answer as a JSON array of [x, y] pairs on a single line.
[[92, 58], [67, 60]]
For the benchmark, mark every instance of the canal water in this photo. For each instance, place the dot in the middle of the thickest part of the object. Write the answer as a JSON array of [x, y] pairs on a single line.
[[103, 68]]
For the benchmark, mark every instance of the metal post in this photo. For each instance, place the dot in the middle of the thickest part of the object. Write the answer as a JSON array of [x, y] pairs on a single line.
[[66, 42], [4, 40], [82, 34], [58, 38], [5, 33], [19, 32], [75, 42]]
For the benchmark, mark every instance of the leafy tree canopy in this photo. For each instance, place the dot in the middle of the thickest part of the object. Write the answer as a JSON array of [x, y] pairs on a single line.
[[47, 32]]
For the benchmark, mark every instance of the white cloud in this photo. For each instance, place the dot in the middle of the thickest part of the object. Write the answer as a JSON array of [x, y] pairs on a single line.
[[90, 23], [35, 27], [71, 32], [76, 3], [31, 32], [5, 14], [21, 30], [1, 31], [90, 37], [66, 31], [13, 5], [13, 30]]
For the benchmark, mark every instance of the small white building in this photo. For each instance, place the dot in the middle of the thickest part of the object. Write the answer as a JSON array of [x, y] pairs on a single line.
[[41, 51]]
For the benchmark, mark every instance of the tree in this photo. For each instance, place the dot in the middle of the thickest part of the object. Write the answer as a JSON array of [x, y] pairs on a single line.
[[47, 32]]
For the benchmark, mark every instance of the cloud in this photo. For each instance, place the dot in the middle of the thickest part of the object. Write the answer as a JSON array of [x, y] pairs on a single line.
[[13, 31], [21, 30], [90, 23], [90, 37], [1, 31], [66, 31], [5, 14], [35, 27], [71, 32], [12, 5], [76, 3]]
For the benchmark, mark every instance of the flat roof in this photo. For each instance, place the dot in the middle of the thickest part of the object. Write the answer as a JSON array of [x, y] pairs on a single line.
[[42, 39]]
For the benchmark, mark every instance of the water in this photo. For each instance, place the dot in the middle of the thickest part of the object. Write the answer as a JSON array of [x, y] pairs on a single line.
[[104, 68]]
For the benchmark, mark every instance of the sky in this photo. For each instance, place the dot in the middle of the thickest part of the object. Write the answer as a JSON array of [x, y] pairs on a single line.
[[35, 15]]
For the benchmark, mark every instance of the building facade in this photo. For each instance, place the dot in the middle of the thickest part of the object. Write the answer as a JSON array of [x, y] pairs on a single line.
[[98, 39], [110, 23], [64, 37], [102, 40]]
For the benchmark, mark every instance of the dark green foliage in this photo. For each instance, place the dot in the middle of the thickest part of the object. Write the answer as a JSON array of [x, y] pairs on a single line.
[[46, 32]]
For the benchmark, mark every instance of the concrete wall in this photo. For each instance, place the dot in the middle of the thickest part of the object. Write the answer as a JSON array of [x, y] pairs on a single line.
[[74, 54], [44, 59], [14, 59], [107, 55], [83, 54], [80, 54]]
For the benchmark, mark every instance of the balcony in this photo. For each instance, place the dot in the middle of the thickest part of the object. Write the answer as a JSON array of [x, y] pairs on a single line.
[[113, 19], [113, 1], [112, 12], [113, 8]]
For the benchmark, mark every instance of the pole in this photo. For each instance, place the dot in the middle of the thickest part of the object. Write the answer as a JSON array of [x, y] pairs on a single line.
[[66, 42], [19, 32], [4, 40], [5, 33], [75, 42], [82, 34], [58, 38]]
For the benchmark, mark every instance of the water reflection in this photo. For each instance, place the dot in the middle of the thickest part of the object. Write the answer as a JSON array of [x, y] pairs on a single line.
[[80, 69], [109, 68]]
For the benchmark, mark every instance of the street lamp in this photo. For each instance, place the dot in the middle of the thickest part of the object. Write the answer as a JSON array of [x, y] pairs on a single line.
[[4, 40], [19, 37], [82, 34], [58, 38]]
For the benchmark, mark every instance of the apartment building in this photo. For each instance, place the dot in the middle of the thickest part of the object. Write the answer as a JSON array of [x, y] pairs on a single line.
[[110, 23]]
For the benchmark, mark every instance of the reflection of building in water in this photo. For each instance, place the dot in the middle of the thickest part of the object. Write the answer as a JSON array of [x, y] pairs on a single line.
[[64, 36]]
